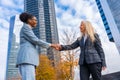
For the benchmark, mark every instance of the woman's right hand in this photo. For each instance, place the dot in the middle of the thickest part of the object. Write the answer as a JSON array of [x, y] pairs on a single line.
[[56, 46], [103, 68]]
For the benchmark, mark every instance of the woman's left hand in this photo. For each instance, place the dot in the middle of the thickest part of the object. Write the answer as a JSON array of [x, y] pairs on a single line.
[[103, 68]]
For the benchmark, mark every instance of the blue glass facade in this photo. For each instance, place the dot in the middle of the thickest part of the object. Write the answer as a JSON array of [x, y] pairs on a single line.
[[106, 25], [114, 6], [31, 6], [47, 21]]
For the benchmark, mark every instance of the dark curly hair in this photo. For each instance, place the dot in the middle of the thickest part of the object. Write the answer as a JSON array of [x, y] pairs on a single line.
[[25, 16]]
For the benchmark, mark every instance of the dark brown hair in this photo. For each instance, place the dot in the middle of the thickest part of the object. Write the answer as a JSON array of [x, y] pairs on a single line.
[[25, 16]]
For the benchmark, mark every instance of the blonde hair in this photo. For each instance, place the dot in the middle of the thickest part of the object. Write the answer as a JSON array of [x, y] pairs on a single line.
[[89, 30]]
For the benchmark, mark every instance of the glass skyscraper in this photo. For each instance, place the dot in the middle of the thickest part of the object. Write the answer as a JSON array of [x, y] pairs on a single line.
[[110, 14], [12, 72], [46, 29]]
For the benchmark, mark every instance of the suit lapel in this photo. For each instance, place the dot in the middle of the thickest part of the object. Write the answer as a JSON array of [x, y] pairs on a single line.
[[82, 41]]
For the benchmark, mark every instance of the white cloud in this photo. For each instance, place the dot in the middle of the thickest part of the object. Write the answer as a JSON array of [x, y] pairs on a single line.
[[4, 23], [3, 52], [8, 9], [14, 4], [7, 13], [82, 9], [7, 3]]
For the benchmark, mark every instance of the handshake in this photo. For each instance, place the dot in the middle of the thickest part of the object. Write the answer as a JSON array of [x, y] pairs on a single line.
[[56, 46]]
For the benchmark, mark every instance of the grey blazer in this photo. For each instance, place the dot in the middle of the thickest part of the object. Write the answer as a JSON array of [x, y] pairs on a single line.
[[91, 52], [28, 53]]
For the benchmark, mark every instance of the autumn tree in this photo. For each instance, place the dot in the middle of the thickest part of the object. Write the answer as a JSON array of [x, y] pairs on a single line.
[[45, 70], [62, 71], [69, 58]]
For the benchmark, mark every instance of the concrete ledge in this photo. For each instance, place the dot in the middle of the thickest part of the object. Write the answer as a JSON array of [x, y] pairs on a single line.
[[112, 76]]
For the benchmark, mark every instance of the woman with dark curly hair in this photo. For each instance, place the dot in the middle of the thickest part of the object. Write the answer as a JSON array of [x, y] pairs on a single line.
[[28, 56]]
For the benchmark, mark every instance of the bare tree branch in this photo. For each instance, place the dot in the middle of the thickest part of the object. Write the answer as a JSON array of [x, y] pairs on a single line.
[[68, 37]]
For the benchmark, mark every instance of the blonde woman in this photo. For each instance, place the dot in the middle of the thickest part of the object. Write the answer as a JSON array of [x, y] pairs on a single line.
[[92, 58]]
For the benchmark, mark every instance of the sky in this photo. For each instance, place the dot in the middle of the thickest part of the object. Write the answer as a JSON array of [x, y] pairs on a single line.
[[69, 14]]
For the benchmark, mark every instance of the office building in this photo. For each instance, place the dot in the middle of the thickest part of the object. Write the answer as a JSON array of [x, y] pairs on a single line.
[[12, 72], [110, 14]]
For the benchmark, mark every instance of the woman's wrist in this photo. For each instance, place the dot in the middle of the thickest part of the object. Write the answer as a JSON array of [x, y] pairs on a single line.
[[50, 45]]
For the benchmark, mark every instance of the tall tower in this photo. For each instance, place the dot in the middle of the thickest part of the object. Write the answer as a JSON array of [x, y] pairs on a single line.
[[12, 72], [46, 29], [110, 14]]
